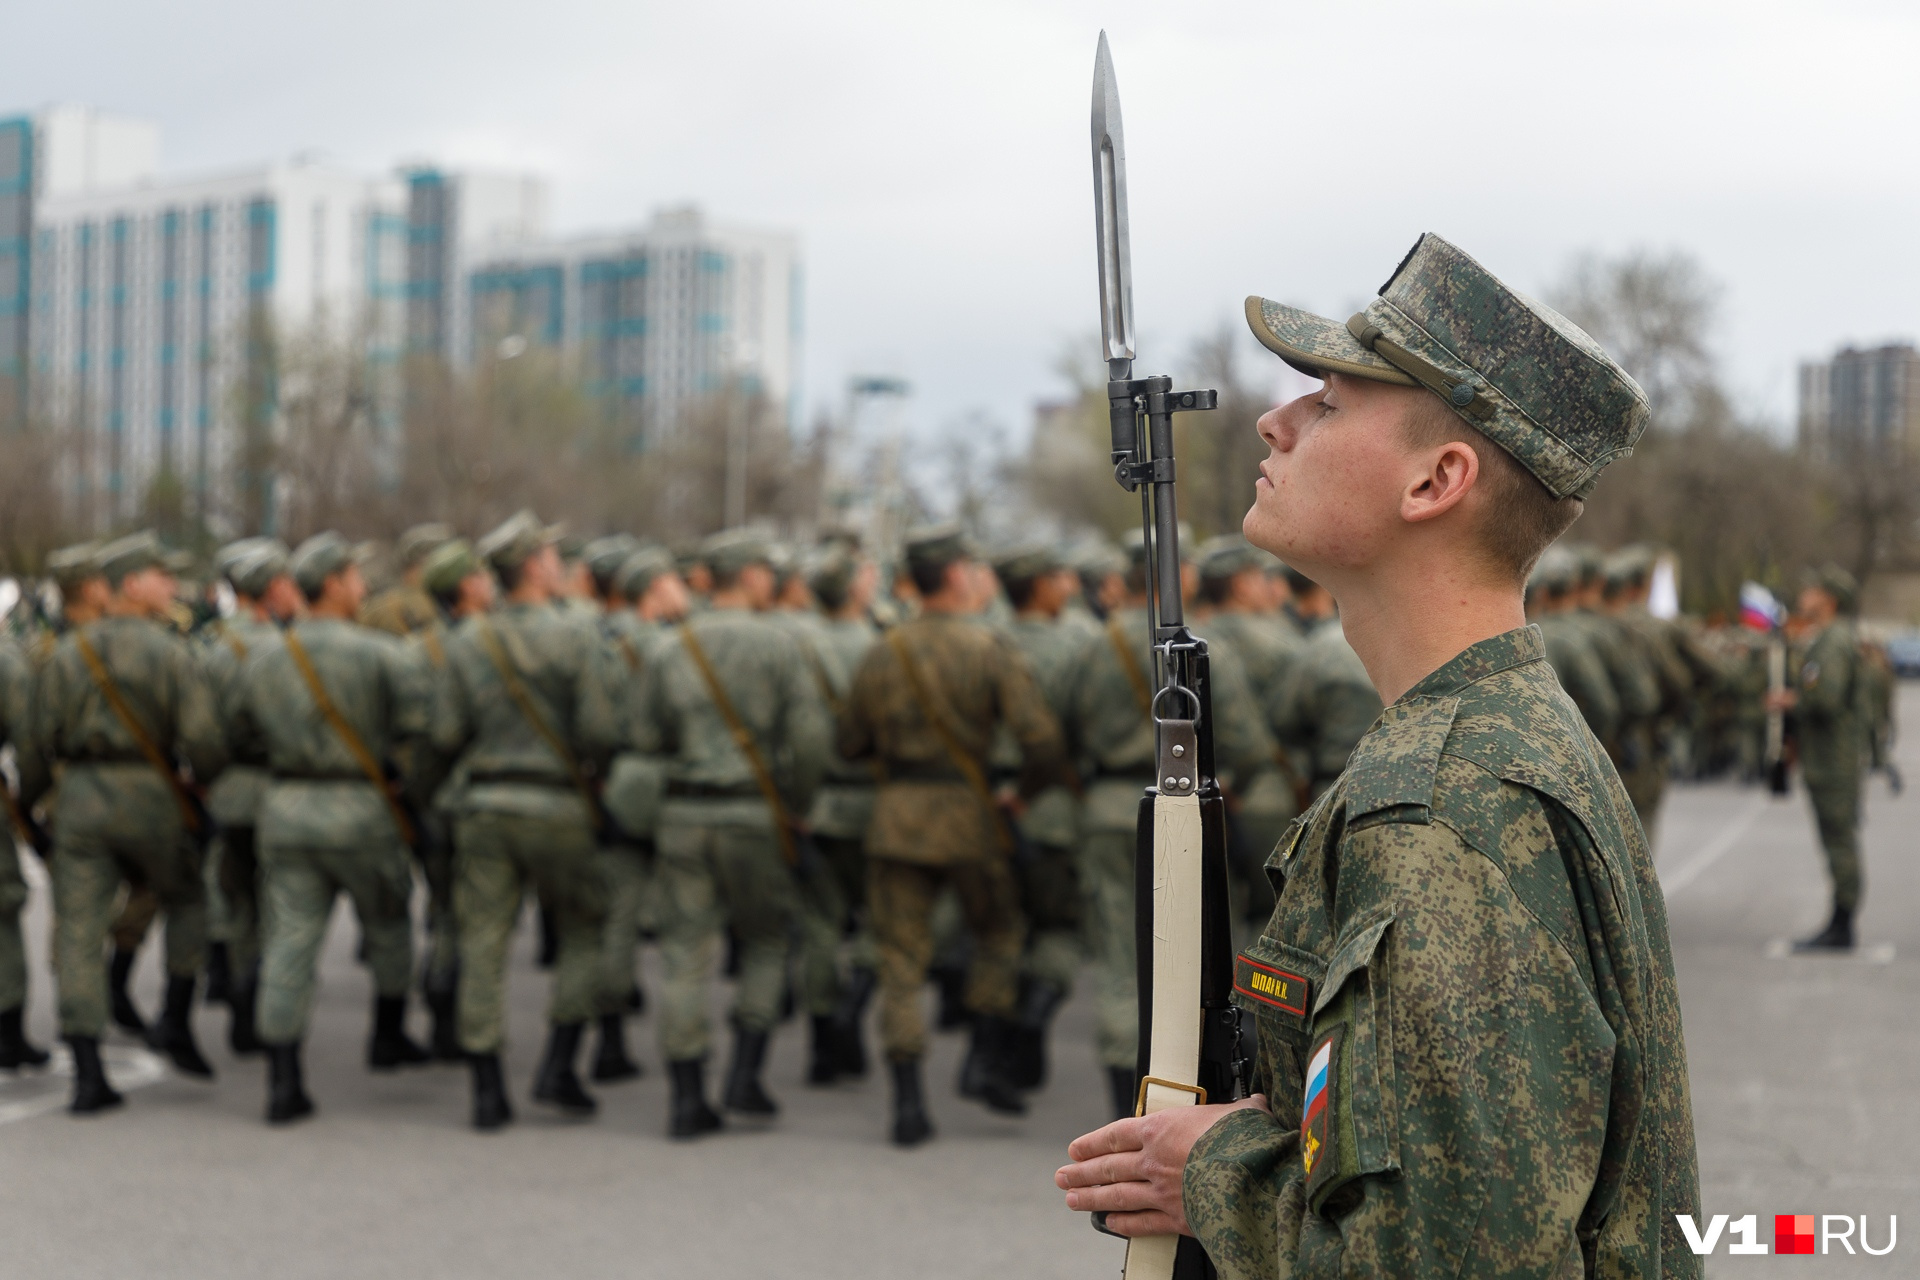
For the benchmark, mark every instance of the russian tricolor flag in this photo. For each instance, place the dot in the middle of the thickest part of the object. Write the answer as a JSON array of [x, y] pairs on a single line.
[[1758, 608], [1313, 1109]]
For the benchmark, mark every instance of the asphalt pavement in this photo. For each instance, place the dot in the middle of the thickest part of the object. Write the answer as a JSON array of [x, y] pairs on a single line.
[[1803, 1071]]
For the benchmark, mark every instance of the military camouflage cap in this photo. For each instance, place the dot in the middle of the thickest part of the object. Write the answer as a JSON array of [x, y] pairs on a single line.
[[572, 546], [234, 552], [519, 536], [320, 557], [1836, 582], [604, 556], [417, 543], [130, 555], [831, 571], [1135, 543], [1096, 558], [1026, 562], [639, 571], [1229, 554], [1588, 563], [1629, 566], [1557, 570], [258, 566], [71, 566], [1521, 373], [934, 546], [728, 552], [448, 565]]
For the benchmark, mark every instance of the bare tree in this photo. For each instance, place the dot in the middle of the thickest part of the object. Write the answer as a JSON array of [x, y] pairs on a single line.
[[1652, 312]]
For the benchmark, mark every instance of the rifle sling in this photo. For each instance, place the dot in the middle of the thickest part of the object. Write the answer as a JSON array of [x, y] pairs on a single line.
[[962, 760], [517, 690], [103, 680], [356, 747], [1130, 663], [743, 738]]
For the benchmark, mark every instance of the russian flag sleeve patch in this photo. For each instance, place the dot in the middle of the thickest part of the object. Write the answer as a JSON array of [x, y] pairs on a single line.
[[1316, 1101]]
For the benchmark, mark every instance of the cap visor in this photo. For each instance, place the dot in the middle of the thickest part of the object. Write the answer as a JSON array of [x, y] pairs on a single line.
[[1315, 345]]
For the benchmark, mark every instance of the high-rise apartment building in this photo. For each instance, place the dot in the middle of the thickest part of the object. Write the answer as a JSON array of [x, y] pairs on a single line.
[[452, 218], [656, 317], [1862, 403]]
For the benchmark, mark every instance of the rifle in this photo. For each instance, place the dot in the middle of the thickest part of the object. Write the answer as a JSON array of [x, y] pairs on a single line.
[[1191, 1042], [1776, 752]]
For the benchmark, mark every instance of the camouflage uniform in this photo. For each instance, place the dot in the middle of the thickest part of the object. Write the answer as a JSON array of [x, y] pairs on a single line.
[[1830, 727], [406, 609], [720, 863], [1325, 704], [626, 858], [15, 695]]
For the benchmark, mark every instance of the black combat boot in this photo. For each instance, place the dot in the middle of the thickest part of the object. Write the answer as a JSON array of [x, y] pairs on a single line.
[[744, 1093], [441, 1002], [15, 1052], [91, 1092], [983, 1076], [690, 1116], [610, 1061], [287, 1098], [125, 1015], [636, 1002], [910, 1124], [491, 1110], [558, 1084], [243, 1037], [1125, 1085], [1027, 1057], [390, 1048], [823, 1050], [848, 1021], [1837, 936], [219, 974], [549, 954], [173, 1034], [952, 983]]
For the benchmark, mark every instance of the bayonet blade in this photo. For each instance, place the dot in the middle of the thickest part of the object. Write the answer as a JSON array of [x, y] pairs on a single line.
[[1110, 211]]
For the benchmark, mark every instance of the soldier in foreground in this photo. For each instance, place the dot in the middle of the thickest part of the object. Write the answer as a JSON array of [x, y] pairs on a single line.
[[15, 829], [120, 705], [524, 706], [728, 701], [1828, 704], [926, 703], [328, 701], [1455, 1038]]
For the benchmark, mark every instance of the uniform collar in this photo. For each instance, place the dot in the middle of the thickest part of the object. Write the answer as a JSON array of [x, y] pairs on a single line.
[[1478, 661]]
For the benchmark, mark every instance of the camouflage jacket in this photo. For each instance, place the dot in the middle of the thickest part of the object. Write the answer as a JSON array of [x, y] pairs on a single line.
[[162, 684], [234, 799], [844, 806], [320, 796], [1582, 674], [1830, 717], [1267, 648], [1468, 1025], [16, 697], [1326, 704], [506, 761], [771, 688], [977, 681], [400, 610], [1049, 646]]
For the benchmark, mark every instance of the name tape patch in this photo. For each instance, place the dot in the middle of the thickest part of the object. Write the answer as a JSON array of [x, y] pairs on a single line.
[[1275, 988]]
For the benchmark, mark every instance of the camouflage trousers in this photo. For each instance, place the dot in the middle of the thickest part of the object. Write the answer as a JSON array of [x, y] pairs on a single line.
[[297, 891], [116, 824], [1106, 868], [13, 950], [233, 874], [435, 856], [711, 878], [498, 857], [833, 921], [901, 896], [1836, 815], [628, 878], [1051, 902], [138, 910]]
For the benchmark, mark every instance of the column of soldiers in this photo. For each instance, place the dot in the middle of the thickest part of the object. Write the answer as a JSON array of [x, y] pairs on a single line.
[[725, 752]]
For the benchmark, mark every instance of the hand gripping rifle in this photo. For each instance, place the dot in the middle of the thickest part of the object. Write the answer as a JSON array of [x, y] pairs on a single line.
[[1190, 1035]]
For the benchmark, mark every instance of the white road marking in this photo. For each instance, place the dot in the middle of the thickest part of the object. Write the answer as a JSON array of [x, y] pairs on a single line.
[[34, 1092], [1878, 953], [1715, 849]]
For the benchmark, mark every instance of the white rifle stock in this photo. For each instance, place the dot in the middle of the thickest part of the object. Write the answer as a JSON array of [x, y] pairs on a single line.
[[1190, 1041]]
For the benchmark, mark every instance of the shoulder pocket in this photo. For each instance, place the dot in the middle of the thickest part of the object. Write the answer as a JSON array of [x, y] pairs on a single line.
[[1349, 1114], [1277, 984]]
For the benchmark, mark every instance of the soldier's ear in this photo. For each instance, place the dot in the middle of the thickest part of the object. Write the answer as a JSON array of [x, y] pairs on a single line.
[[1444, 476]]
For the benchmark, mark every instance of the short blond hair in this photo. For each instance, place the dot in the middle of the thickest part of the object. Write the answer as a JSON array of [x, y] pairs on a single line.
[[1523, 519]]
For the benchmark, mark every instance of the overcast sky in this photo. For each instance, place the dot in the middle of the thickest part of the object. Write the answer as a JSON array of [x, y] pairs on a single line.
[[934, 158]]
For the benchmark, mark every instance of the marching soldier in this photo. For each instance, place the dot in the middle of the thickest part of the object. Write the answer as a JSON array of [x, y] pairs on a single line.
[[1109, 723], [727, 700], [1551, 601], [1325, 705], [15, 700], [326, 703], [1828, 701], [926, 703], [525, 708], [265, 598], [1681, 669], [1477, 981], [1635, 683], [407, 607], [117, 707]]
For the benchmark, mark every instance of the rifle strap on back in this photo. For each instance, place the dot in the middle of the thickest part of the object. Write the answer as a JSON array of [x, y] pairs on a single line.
[[517, 691], [355, 745], [1130, 663], [744, 739], [962, 759], [103, 680]]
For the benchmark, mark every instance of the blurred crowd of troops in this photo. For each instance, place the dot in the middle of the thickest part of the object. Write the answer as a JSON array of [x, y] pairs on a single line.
[[825, 779]]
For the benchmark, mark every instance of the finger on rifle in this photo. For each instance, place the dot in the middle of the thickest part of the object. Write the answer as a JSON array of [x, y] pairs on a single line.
[[1120, 1166], [1122, 1135], [1122, 1197]]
